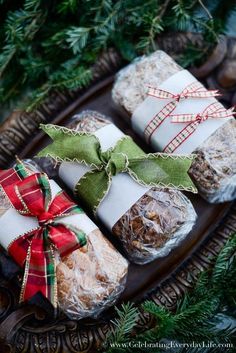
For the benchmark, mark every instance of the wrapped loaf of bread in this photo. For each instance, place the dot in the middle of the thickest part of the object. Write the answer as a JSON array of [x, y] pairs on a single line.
[[149, 221], [173, 112], [89, 279]]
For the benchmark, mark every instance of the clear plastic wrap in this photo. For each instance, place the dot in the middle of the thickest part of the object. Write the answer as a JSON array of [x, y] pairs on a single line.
[[214, 169], [156, 223], [90, 279]]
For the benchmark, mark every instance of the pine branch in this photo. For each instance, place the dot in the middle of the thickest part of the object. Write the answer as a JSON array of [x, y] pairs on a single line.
[[182, 15], [153, 21], [104, 7], [78, 78], [77, 38], [196, 316], [225, 261], [68, 6], [31, 5], [20, 27], [39, 37], [165, 321], [6, 57], [123, 325], [205, 9]]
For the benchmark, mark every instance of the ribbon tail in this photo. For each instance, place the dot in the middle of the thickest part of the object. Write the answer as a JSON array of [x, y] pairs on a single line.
[[34, 193], [39, 275], [163, 170], [72, 146], [202, 94], [70, 239], [12, 176], [183, 118], [231, 111], [224, 114], [160, 93], [93, 196], [62, 205]]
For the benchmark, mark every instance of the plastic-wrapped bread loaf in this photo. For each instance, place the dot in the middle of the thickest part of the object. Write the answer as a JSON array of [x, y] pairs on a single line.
[[214, 169], [156, 221], [89, 279]]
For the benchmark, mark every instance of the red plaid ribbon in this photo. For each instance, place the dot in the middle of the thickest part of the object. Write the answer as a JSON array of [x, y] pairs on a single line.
[[194, 90], [214, 110], [31, 197]]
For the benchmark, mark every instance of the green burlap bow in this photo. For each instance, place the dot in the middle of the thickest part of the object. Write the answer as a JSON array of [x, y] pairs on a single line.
[[153, 169]]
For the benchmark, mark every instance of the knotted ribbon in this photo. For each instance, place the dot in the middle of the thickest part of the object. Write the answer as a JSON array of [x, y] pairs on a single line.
[[154, 169], [213, 111], [31, 197], [194, 90]]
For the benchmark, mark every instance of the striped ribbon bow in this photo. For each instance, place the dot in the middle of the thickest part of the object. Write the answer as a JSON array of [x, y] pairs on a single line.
[[31, 197], [214, 110], [194, 90]]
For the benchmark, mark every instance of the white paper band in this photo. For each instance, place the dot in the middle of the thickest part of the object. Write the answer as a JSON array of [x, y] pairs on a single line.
[[12, 224], [124, 191], [150, 107]]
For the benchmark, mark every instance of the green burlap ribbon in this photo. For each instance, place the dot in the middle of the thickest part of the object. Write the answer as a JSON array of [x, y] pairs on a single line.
[[153, 169]]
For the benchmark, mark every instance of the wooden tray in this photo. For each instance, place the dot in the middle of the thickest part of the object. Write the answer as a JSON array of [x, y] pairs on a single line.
[[163, 281], [141, 278]]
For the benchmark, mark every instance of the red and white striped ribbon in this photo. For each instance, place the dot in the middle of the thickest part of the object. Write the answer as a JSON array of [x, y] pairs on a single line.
[[194, 90], [214, 110]]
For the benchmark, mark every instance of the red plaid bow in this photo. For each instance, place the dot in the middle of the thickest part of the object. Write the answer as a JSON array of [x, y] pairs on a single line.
[[31, 197], [214, 110], [194, 90]]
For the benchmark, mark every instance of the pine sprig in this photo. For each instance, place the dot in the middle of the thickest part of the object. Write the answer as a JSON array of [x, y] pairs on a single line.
[[68, 79], [77, 38], [123, 325], [196, 317], [182, 15], [225, 262], [68, 6], [38, 37]]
